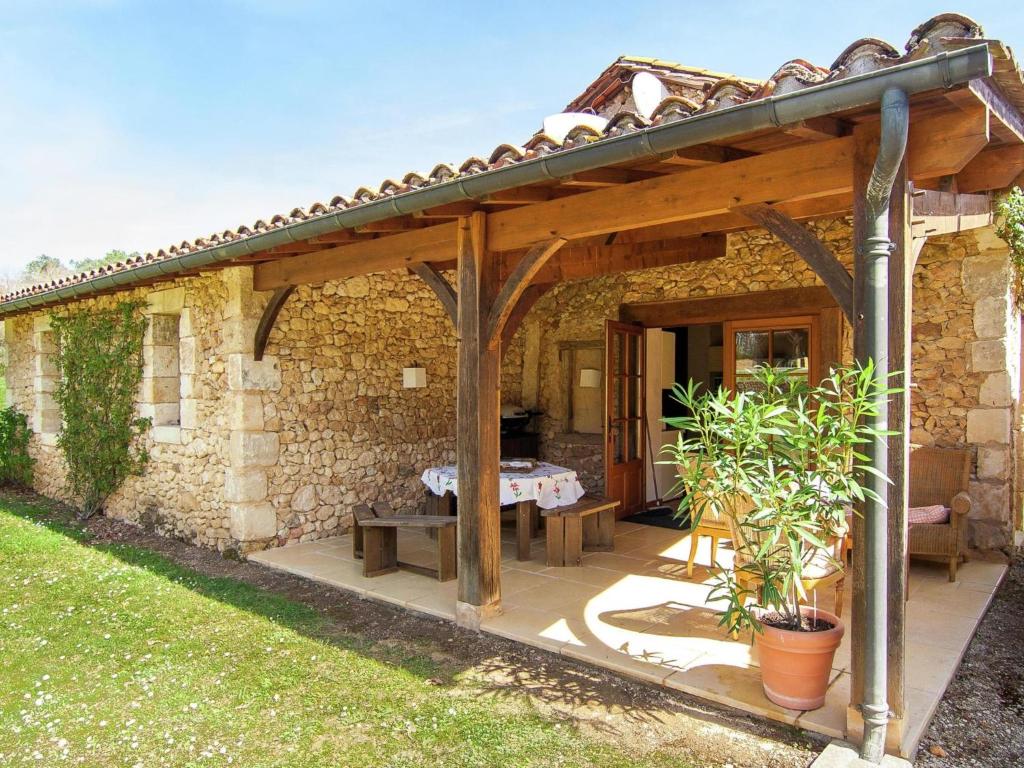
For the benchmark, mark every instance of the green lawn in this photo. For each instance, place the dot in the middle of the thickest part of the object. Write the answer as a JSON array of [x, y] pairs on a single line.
[[115, 656]]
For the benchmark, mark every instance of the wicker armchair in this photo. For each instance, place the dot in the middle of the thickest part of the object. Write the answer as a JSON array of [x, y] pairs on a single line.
[[712, 525], [940, 476]]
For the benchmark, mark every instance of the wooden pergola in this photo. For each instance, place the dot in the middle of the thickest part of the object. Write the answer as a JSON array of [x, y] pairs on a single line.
[[508, 248]]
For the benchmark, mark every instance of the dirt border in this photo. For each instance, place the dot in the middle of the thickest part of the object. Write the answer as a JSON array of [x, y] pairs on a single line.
[[629, 714]]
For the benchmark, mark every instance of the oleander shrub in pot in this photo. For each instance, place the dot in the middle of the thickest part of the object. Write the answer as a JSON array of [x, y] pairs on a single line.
[[783, 461]]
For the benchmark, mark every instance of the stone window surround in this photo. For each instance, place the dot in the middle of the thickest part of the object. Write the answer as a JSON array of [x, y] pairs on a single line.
[[45, 415], [168, 350]]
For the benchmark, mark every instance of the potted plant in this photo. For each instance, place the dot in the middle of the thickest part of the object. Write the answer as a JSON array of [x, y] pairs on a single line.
[[783, 462]]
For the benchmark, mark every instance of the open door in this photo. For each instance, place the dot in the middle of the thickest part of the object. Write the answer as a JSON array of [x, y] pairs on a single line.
[[624, 416]]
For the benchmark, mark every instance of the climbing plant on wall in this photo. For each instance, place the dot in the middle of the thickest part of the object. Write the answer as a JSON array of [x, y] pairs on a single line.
[[1010, 210], [99, 359], [15, 462]]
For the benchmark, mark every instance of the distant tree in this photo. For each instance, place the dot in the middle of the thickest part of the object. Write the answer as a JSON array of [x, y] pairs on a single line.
[[42, 269], [112, 257]]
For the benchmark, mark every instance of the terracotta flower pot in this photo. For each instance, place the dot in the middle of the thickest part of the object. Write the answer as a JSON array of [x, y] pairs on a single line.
[[796, 666]]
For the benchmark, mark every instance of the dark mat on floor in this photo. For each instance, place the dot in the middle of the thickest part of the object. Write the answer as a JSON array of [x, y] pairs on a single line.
[[662, 517]]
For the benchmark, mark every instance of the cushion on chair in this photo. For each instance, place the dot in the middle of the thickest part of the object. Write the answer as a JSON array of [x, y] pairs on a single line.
[[936, 514], [820, 565]]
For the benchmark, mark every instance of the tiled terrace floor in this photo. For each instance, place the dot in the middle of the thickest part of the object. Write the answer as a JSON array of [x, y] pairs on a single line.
[[634, 611]]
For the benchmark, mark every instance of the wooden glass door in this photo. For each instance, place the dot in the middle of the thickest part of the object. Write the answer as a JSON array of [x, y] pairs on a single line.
[[624, 416], [784, 342]]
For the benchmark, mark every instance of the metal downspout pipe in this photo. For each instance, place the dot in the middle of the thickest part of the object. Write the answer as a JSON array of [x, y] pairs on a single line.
[[877, 245]]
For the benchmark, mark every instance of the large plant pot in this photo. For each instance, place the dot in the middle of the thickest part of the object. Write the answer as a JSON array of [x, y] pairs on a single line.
[[796, 666]]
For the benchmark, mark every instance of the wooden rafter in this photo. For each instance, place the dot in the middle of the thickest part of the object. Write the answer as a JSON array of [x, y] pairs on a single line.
[[442, 288], [808, 247], [518, 280], [268, 318]]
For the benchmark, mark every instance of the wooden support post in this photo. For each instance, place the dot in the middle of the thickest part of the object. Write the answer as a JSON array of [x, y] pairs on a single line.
[[478, 441]]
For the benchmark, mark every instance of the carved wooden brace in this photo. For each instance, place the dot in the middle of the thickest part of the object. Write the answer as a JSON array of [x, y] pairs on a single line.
[[444, 290], [269, 317], [817, 255], [518, 281]]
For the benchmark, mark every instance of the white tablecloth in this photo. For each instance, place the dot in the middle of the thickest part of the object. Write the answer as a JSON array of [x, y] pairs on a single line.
[[548, 485]]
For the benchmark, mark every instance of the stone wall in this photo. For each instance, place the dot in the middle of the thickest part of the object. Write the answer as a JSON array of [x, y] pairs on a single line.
[[276, 451], [349, 432]]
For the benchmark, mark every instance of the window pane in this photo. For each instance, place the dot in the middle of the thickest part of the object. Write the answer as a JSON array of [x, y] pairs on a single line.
[[790, 349], [633, 439]]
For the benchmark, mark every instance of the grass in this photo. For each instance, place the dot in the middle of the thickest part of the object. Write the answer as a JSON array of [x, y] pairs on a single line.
[[114, 656]]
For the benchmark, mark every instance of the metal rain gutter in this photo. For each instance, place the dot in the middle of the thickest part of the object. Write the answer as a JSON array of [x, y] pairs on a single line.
[[877, 246], [943, 70]]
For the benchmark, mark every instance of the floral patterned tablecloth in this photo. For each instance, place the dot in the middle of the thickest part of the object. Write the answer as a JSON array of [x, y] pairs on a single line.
[[550, 486]]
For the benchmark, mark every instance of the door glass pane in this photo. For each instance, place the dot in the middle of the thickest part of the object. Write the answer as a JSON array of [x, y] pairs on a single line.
[[617, 443], [633, 396], [633, 345], [617, 356], [617, 397], [633, 439], [751, 351], [790, 350]]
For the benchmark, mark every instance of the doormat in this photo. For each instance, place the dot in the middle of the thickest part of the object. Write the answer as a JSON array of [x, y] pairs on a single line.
[[662, 517]]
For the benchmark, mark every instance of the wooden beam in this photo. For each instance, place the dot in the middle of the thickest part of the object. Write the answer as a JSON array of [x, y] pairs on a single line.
[[579, 262], [701, 155], [397, 224], [599, 177], [941, 213], [478, 438], [741, 306], [527, 299], [521, 277], [518, 196], [943, 144], [449, 211], [808, 247], [806, 171], [992, 169], [398, 251], [818, 128], [1009, 122], [442, 288], [268, 318]]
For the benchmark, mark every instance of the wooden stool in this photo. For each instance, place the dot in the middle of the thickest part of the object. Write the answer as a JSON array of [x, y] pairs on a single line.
[[586, 526]]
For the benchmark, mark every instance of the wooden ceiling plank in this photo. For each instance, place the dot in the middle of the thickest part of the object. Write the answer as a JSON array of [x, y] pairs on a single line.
[[945, 143], [992, 169]]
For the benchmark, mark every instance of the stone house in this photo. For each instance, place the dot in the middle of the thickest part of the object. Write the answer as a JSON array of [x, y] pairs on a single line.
[[275, 353]]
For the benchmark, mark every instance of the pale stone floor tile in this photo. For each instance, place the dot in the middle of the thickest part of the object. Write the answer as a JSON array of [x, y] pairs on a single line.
[[629, 660], [615, 561], [930, 667], [586, 574], [527, 625], [440, 601], [954, 599], [535, 564], [928, 623], [738, 687], [920, 706], [401, 588], [831, 718], [982, 571], [513, 581], [558, 596]]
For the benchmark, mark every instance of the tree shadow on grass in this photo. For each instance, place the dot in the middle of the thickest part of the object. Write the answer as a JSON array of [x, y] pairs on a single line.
[[435, 651]]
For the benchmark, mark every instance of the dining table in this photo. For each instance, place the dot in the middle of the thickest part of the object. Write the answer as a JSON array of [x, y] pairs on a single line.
[[529, 486]]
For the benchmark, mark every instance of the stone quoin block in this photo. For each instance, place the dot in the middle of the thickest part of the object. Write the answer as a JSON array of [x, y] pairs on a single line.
[[245, 485], [244, 373], [254, 449], [253, 521], [988, 425], [246, 411], [989, 355]]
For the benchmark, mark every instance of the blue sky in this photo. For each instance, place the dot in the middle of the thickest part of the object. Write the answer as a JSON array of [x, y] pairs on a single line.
[[137, 124]]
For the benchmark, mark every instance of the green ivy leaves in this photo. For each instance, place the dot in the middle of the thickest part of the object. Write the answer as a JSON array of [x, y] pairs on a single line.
[[99, 357], [1010, 210]]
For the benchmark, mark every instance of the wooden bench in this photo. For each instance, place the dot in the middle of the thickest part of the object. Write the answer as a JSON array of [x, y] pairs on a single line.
[[375, 541], [586, 526]]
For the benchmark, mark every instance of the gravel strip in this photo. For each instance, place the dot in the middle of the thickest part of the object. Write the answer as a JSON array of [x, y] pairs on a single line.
[[979, 720]]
